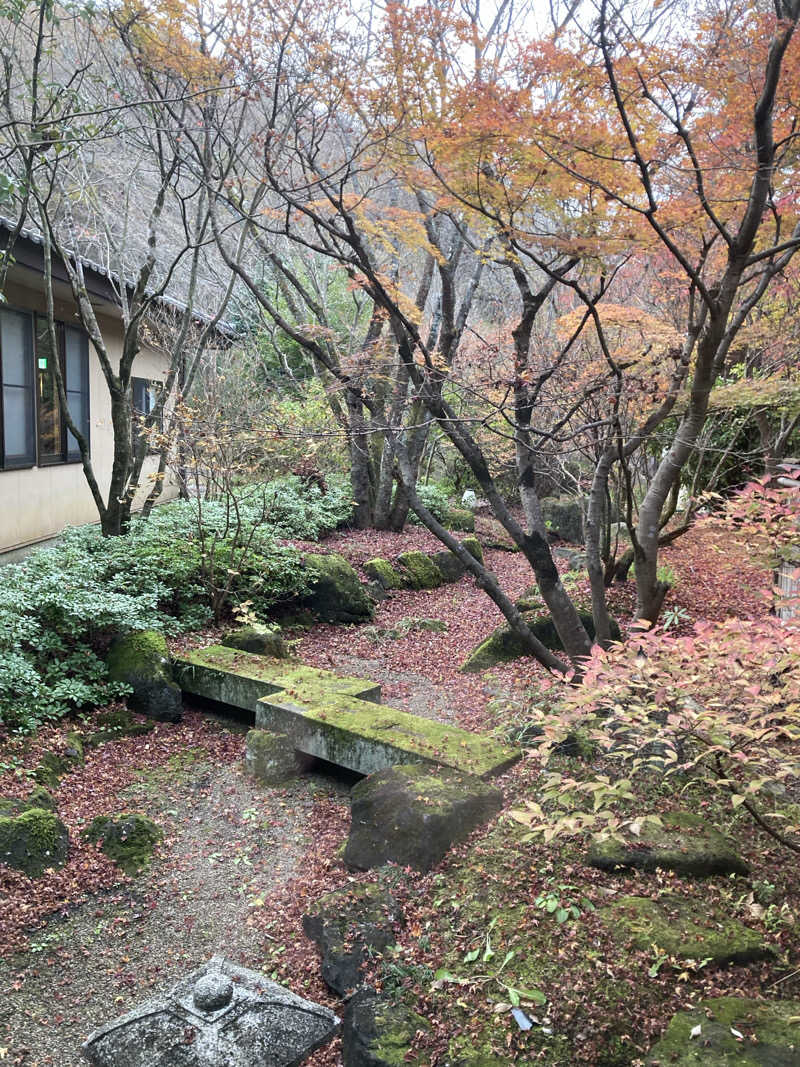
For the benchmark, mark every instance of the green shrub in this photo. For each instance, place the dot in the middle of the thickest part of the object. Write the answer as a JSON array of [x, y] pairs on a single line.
[[436, 500], [60, 607]]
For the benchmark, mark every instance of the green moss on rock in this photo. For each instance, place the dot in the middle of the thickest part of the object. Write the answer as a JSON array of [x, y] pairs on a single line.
[[473, 546], [460, 519], [39, 797], [141, 661], [413, 814], [684, 928], [770, 1029], [381, 571], [269, 757], [126, 839], [420, 570], [685, 843], [450, 566], [258, 639], [33, 842], [58, 762], [336, 593], [503, 645], [377, 1032], [564, 515]]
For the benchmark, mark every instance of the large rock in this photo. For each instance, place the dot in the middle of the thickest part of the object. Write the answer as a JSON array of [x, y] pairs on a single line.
[[336, 593], [503, 645], [221, 1015], [685, 843], [770, 1036], [349, 926], [419, 570], [460, 519], [126, 839], [33, 842], [141, 661], [412, 814], [259, 639], [449, 565], [377, 1032], [381, 571], [564, 515], [686, 929], [269, 757]]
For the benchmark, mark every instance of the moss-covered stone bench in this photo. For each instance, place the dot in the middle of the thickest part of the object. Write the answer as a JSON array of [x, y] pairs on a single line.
[[337, 719]]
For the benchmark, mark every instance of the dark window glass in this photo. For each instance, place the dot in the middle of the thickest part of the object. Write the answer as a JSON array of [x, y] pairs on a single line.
[[76, 383], [16, 365]]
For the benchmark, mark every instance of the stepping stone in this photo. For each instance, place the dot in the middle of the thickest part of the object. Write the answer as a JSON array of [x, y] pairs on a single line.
[[349, 926], [685, 843], [683, 928], [220, 1015], [336, 719], [413, 815], [770, 1035]]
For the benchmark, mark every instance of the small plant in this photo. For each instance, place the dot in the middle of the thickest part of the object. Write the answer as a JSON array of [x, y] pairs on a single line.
[[562, 903], [674, 616]]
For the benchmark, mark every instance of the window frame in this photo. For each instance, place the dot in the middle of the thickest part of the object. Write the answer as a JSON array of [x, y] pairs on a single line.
[[69, 454]]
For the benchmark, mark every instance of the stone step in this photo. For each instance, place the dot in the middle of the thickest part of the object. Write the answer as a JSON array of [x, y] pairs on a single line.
[[333, 718]]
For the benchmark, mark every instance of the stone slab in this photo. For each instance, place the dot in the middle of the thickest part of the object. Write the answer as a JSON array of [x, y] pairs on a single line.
[[220, 1015], [241, 679], [336, 719]]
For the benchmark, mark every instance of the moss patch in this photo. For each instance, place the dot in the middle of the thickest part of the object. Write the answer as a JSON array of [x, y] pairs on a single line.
[[258, 639], [685, 844], [460, 519], [771, 1032], [141, 661], [683, 928], [473, 546], [33, 842], [126, 839], [336, 593], [420, 570], [38, 797], [381, 571], [503, 645], [113, 725], [53, 765]]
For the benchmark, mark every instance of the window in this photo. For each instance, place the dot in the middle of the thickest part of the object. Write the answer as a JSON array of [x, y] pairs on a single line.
[[34, 430], [144, 397]]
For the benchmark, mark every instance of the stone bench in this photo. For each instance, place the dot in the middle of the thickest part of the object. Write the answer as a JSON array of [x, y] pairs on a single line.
[[337, 719]]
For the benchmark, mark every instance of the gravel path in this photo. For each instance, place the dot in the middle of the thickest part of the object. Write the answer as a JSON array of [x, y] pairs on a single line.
[[229, 845]]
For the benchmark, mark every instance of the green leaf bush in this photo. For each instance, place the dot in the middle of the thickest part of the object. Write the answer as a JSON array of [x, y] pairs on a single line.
[[60, 607]]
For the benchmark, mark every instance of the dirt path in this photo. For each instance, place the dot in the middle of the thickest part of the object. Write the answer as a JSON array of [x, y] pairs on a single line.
[[229, 846]]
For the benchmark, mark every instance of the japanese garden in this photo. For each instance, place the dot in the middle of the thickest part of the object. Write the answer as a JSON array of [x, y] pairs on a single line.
[[400, 533]]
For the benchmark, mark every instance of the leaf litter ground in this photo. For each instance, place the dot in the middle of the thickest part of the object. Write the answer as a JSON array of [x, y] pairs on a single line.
[[239, 866]]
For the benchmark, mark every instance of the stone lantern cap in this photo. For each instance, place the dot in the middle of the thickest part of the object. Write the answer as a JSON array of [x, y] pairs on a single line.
[[220, 1015]]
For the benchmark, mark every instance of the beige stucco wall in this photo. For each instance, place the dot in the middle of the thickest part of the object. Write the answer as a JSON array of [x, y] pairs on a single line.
[[39, 502]]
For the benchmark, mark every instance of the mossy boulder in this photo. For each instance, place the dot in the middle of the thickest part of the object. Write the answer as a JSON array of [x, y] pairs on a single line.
[[770, 1035], [141, 661], [269, 757], [53, 765], [412, 814], [349, 926], [684, 843], [473, 546], [259, 639], [683, 928], [564, 516], [377, 1032], [38, 797], [449, 565], [460, 519], [503, 645], [126, 839], [33, 841], [381, 571], [335, 591], [419, 570]]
